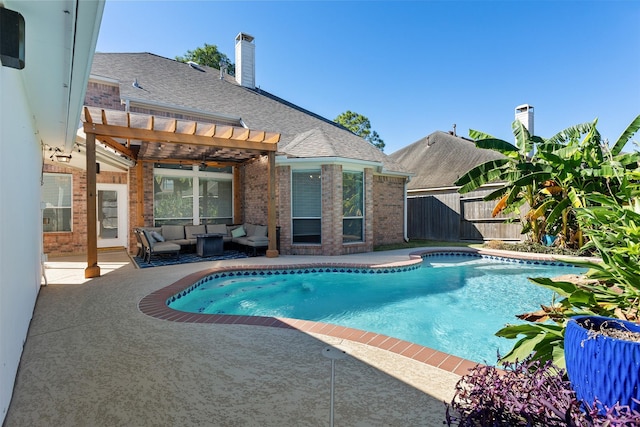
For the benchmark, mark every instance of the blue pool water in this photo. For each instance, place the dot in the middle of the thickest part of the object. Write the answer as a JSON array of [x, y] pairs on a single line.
[[454, 304]]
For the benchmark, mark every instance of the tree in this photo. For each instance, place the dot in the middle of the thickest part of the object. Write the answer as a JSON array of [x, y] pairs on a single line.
[[208, 55], [361, 126]]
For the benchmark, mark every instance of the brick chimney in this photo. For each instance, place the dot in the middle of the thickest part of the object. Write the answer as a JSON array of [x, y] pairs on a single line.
[[245, 61]]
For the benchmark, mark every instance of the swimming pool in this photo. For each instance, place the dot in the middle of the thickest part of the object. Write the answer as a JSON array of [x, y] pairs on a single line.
[[453, 303]]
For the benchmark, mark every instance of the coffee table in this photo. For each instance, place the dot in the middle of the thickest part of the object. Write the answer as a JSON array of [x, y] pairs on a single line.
[[209, 244]]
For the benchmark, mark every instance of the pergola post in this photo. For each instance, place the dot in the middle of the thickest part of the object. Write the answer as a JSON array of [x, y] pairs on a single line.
[[92, 270], [272, 251]]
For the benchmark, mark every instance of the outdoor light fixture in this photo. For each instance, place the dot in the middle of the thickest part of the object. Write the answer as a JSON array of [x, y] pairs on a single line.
[[60, 155], [63, 158], [11, 39]]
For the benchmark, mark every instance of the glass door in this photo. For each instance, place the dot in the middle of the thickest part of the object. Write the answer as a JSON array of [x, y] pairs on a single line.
[[112, 215]]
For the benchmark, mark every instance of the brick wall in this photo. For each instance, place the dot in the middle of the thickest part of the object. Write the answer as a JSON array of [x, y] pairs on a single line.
[[255, 191], [388, 201], [103, 95], [75, 242], [283, 202], [331, 215]]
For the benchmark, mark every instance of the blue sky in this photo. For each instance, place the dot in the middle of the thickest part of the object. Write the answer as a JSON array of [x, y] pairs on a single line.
[[414, 67]]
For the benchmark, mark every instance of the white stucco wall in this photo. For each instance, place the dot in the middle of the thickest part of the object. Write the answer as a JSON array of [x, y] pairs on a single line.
[[20, 226]]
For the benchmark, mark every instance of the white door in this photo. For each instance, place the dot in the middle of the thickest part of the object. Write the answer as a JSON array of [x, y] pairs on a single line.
[[112, 215]]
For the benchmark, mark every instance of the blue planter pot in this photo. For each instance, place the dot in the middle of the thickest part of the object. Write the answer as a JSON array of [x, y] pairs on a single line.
[[601, 367]]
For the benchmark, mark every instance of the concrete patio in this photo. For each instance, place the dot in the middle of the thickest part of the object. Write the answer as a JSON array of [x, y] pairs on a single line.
[[93, 359]]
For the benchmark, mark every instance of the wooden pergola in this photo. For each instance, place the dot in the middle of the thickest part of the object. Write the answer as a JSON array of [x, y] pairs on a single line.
[[147, 138]]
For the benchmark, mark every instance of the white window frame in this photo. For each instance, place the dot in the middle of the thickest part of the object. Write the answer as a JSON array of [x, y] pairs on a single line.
[[360, 217], [195, 174], [45, 217], [317, 171]]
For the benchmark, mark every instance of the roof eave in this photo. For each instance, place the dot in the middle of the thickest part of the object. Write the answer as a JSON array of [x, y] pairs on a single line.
[[131, 101]]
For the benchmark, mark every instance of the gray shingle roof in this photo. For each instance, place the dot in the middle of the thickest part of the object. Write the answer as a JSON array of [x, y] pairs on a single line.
[[440, 158], [303, 134]]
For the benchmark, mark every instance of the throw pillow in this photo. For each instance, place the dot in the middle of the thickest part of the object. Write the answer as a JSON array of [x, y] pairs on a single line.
[[238, 232], [157, 236]]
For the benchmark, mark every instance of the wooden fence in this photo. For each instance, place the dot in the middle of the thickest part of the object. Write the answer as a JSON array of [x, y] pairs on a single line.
[[449, 216]]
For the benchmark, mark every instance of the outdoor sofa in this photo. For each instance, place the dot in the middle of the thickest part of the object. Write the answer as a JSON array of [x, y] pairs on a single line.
[[147, 245], [247, 237]]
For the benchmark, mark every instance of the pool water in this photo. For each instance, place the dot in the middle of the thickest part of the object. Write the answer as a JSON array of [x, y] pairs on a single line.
[[454, 304]]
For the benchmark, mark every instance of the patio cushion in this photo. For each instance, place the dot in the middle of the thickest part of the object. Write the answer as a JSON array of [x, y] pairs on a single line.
[[165, 247], [261, 231], [250, 229], [157, 236], [257, 241], [173, 232], [217, 229], [191, 230]]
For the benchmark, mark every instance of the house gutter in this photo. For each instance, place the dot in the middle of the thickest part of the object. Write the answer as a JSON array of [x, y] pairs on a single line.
[[284, 160], [456, 188]]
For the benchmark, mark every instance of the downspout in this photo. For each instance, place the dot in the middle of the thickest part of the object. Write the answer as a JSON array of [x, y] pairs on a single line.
[[404, 227]]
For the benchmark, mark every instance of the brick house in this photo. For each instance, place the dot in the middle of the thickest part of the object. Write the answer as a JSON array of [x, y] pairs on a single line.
[[334, 192]]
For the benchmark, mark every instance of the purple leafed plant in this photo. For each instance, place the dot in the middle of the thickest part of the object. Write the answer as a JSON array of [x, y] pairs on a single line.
[[526, 393]]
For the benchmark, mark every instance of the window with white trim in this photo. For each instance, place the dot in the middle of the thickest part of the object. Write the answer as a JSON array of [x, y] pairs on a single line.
[[192, 196], [215, 197], [306, 207], [57, 201], [352, 207]]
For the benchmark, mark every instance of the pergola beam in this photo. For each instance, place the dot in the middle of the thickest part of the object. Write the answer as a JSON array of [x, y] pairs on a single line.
[[112, 131]]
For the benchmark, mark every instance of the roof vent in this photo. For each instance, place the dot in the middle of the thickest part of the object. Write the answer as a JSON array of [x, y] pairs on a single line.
[[223, 68], [195, 66], [136, 84]]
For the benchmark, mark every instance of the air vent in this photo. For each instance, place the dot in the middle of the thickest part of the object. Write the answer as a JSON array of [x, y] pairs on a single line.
[[195, 66]]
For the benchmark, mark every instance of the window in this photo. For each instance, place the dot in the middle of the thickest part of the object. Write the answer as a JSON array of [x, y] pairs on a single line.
[[192, 196], [56, 197], [172, 199], [215, 201], [352, 207], [306, 206]]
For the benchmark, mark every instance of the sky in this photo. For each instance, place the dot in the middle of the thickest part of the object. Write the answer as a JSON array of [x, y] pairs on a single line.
[[416, 67]]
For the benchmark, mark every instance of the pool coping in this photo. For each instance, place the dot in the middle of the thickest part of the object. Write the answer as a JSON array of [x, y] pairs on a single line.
[[155, 303]]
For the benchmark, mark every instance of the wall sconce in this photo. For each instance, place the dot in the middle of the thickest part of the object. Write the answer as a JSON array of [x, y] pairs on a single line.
[[60, 156], [63, 158], [11, 39]]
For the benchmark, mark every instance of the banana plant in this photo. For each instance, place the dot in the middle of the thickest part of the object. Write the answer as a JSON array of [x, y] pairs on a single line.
[[518, 170], [611, 220], [581, 166]]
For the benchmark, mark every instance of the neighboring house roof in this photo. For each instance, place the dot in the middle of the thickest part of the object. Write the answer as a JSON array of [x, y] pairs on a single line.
[[169, 82], [439, 159]]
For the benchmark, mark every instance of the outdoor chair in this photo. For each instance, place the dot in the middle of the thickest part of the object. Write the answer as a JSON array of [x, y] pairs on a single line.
[[139, 244], [150, 246]]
